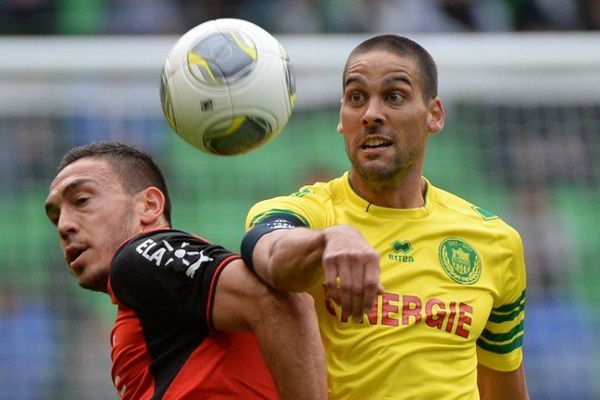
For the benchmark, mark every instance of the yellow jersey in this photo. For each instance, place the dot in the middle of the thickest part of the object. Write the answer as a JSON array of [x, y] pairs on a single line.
[[454, 293]]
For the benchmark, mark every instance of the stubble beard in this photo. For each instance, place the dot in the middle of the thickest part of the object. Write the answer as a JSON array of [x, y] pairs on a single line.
[[382, 172], [96, 278]]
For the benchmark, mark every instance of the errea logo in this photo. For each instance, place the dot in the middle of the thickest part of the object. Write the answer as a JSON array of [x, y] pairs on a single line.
[[401, 251]]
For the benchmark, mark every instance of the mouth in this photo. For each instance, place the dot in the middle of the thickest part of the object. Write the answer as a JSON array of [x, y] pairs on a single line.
[[73, 252], [375, 143]]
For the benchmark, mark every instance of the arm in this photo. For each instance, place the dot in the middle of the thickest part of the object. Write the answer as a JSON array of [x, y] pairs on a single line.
[[285, 325], [299, 258], [498, 385], [504, 330]]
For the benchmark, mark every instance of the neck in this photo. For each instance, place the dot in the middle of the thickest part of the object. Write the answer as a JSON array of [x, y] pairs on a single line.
[[408, 192], [160, 223]]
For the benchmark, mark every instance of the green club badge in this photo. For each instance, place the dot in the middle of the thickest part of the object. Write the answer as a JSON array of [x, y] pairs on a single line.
[[460, 261]]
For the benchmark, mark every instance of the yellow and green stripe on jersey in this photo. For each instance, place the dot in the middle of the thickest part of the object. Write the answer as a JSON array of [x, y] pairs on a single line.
[[504, 333], [454, 292]]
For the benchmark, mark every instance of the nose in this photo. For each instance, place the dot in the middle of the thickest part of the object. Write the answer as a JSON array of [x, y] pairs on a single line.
[[373, 114], [66, 225]]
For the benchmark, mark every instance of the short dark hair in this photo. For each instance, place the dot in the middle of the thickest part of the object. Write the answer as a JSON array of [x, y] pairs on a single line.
[[402, 46], [136, 169]]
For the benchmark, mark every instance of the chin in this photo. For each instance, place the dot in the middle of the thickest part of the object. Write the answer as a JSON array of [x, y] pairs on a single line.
[[377, 172], [97, 283], [94, 287]]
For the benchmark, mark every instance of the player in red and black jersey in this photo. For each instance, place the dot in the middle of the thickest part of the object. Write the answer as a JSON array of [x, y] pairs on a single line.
[[164, 341], [192, 321]]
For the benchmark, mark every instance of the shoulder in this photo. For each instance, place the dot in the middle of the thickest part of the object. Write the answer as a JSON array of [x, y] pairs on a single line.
[[307, 203], [153, 246], [475, 215], [318, 191], [169, 273], [165, 250], [324, 190]]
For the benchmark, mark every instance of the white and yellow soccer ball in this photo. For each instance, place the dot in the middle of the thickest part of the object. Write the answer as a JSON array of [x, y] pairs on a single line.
[[227, 87]]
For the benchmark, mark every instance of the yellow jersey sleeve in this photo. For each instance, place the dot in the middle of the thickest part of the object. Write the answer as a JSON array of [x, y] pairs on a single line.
[[500, 344], [307, 205]]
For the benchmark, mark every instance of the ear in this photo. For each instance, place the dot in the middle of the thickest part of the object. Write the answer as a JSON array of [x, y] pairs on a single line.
[[340, 128], [152, 206], [436, 117]]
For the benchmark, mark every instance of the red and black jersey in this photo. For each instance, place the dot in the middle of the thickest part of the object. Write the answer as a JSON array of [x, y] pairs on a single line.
[[163, 343]]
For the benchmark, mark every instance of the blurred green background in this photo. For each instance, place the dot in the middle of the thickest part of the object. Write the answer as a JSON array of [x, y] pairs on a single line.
[[521, 84], [63, 331]]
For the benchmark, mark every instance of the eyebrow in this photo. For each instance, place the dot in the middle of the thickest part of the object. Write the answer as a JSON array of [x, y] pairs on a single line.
[[397, 78], [353, 79], [387, 81], [69, 188]]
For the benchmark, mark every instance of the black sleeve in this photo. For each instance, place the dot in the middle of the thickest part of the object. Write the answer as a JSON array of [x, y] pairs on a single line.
[[169, 274], [271, 223]]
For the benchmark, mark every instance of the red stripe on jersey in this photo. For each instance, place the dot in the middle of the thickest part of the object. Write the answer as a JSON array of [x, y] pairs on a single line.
[[213, 287], [226, 366], [131, 359]]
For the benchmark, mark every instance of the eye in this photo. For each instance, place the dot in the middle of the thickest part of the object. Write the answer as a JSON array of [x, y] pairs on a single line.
[[395, 97], [80, 201], [356, 96]]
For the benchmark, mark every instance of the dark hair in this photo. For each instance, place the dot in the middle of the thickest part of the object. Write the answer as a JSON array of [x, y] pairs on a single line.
[[136, 169], [402, 46]]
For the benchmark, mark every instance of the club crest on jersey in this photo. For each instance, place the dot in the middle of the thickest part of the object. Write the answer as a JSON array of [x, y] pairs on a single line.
[[460, 261]]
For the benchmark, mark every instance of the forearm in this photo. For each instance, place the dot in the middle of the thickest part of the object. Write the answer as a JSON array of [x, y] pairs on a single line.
[[290, 259], [297, 259], [285, 325], [496, 385], [288, 336]]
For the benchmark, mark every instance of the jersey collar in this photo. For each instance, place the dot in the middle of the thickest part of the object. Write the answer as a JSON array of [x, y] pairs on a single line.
[[385, 212]]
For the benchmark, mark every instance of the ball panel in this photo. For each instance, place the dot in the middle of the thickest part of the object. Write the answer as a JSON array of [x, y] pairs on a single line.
[[222, 57], [290, 78], [244, 134], [165, 99]]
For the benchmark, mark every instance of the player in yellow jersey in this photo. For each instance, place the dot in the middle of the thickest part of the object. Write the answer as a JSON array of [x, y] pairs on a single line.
[[419, 293]]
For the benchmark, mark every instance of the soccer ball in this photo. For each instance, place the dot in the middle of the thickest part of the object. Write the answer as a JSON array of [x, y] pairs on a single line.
[[227, 87]]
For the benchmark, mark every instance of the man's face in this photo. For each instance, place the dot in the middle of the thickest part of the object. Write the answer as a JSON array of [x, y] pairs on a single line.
[[93, 215], [384, 118]]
